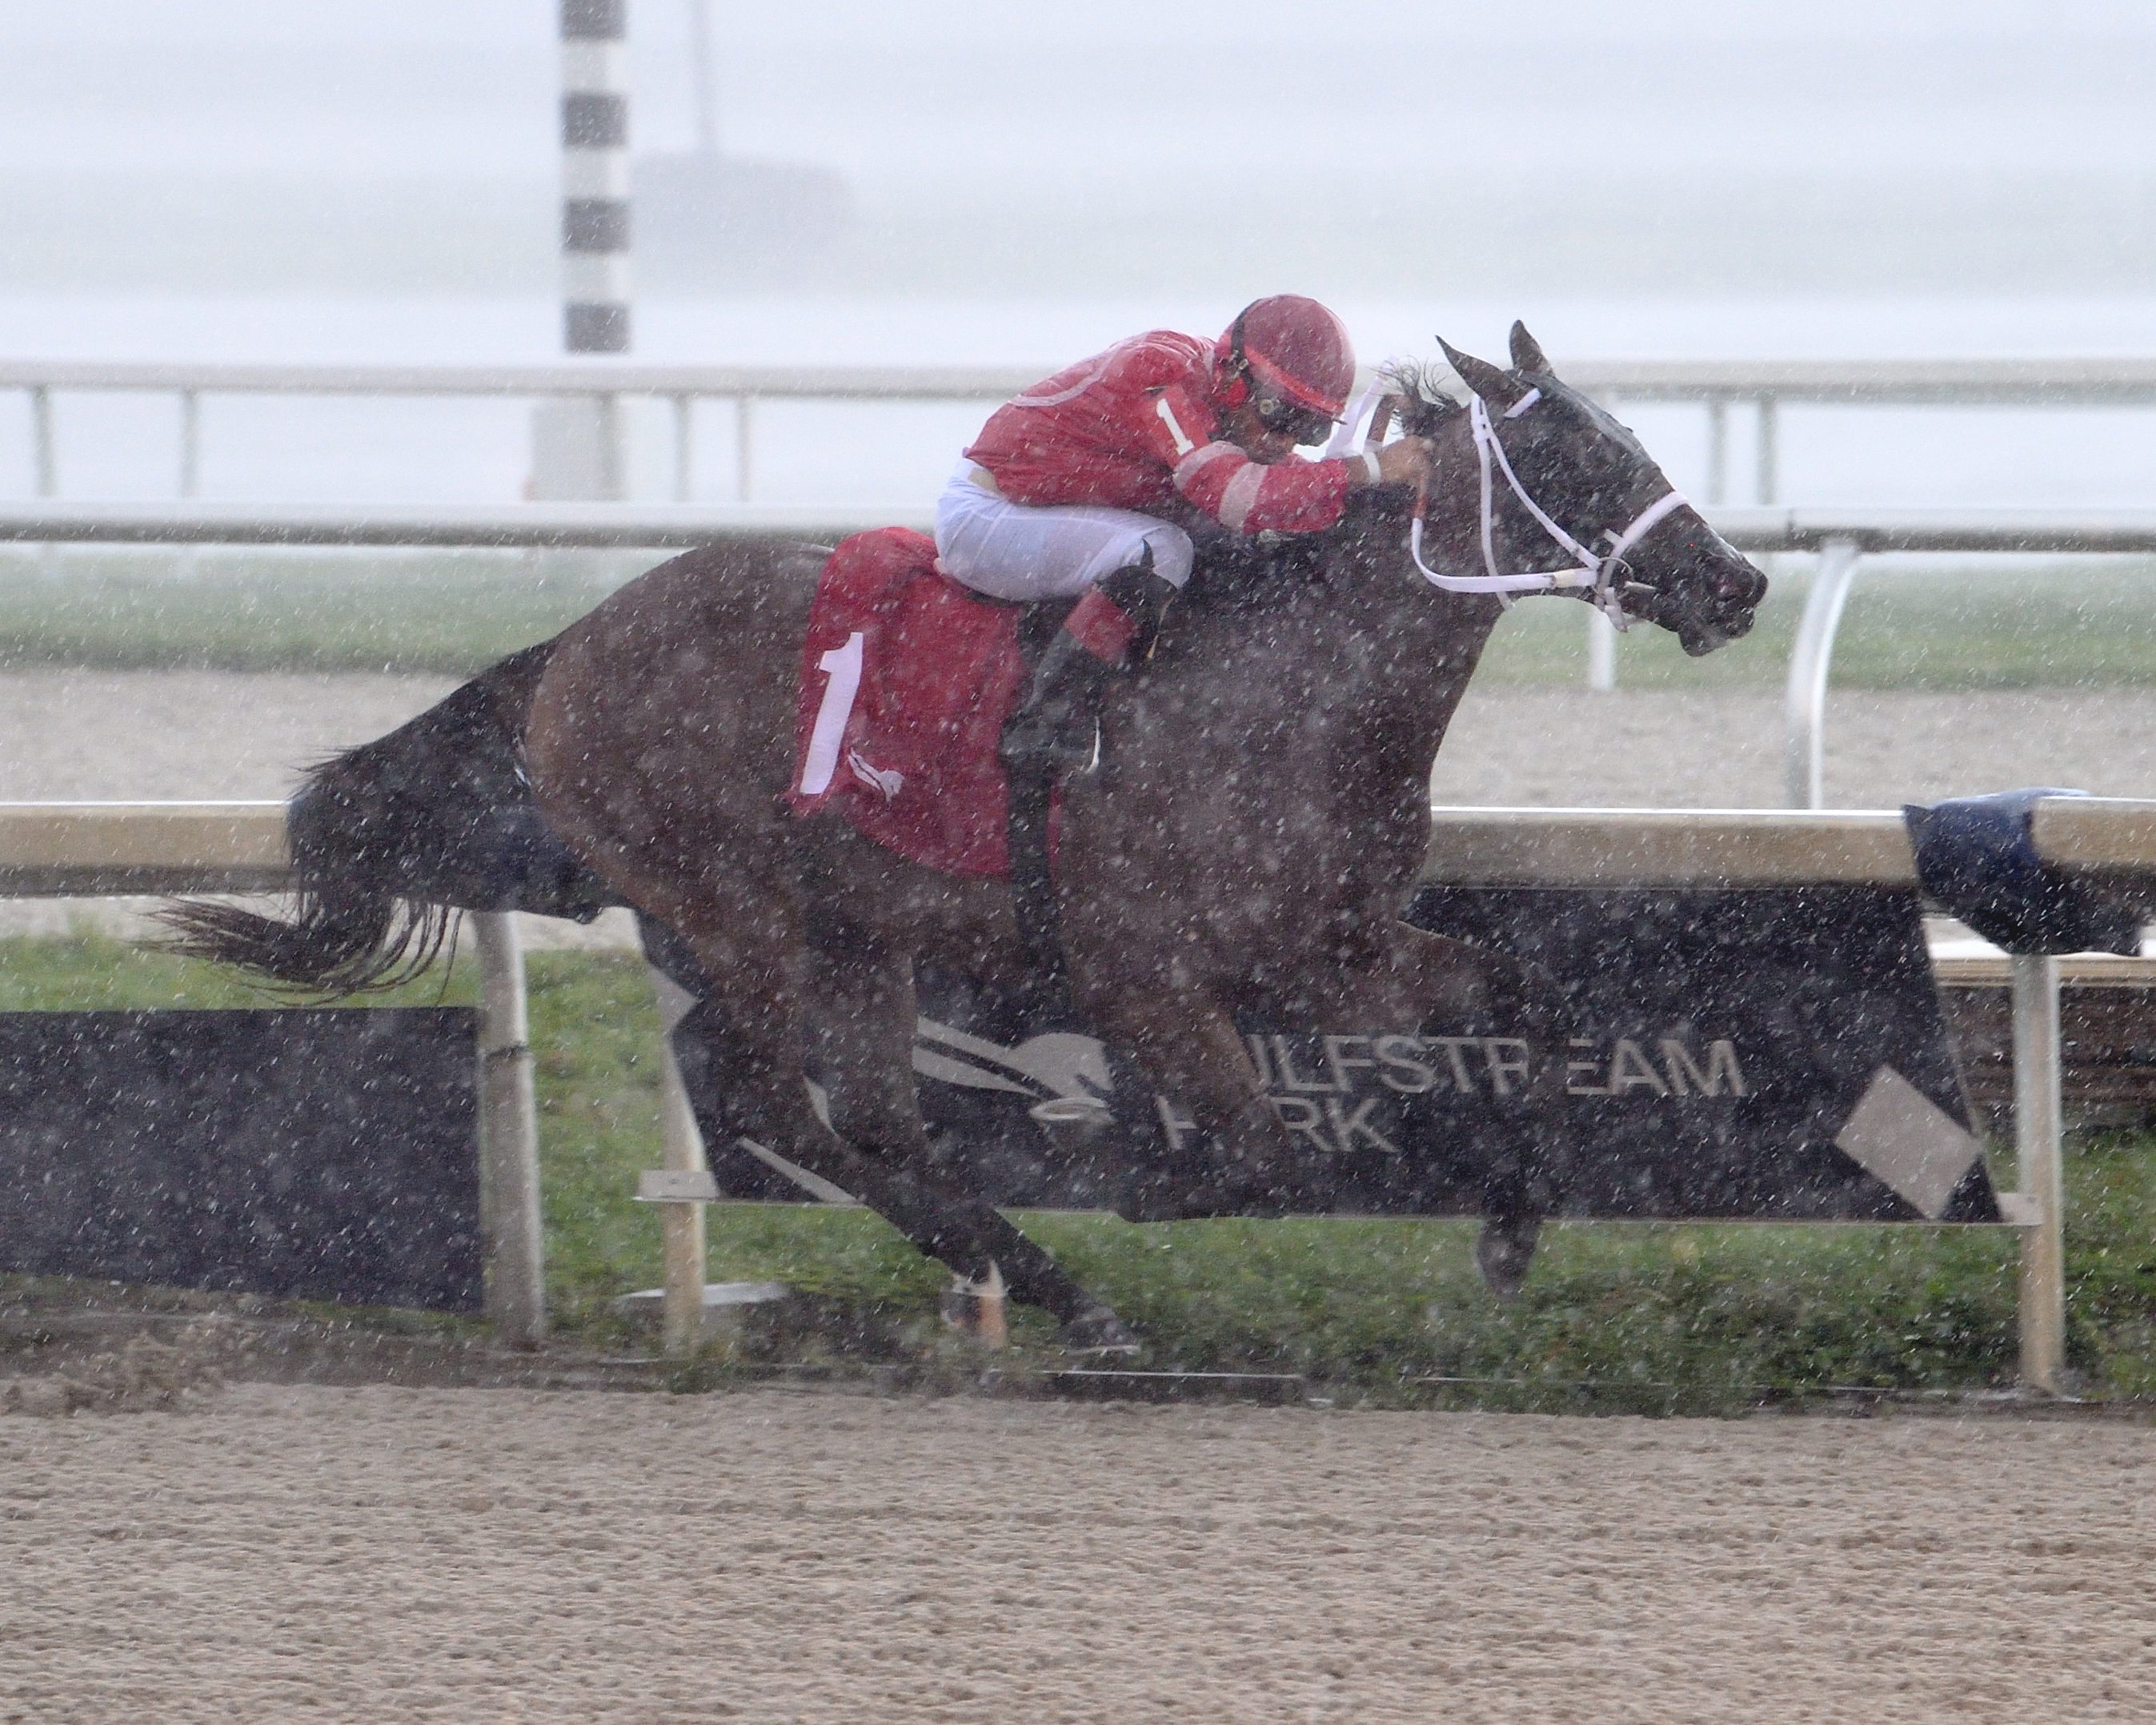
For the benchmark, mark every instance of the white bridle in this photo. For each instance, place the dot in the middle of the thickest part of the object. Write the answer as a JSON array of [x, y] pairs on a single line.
[[1596, 571]]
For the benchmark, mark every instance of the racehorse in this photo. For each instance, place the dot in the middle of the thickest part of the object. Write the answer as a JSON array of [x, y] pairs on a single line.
[[1246, 845]]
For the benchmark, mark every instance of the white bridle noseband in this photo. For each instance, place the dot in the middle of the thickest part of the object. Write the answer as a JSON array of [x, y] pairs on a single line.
[[1596, 571]]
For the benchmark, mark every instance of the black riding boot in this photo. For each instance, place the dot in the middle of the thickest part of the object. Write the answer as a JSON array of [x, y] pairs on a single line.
[[1052, 729]]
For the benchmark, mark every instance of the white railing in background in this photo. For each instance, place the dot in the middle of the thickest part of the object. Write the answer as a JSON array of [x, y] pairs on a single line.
[[1761, 387], [683, 386], [485, 526], [1765, 387], [1841, 537]]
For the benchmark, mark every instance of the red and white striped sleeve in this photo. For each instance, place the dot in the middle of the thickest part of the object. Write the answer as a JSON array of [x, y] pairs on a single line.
[[1292, 496]]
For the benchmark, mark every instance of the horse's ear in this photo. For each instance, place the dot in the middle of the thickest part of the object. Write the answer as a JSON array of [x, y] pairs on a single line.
[[1485, 379], [1527, 353]]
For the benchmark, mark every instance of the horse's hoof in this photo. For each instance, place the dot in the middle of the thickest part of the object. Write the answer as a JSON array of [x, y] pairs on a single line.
[[975, 1310], [1099, 1333], [1503, 1251]]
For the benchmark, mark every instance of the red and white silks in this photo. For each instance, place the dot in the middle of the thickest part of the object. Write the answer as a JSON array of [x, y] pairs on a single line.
[[1138, 428]]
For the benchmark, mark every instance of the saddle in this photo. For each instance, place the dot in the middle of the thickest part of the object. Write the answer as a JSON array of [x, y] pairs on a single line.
[[906, 678]]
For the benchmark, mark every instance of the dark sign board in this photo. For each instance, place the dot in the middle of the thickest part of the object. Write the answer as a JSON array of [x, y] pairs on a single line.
[[1777, 1054], [322, 1155]]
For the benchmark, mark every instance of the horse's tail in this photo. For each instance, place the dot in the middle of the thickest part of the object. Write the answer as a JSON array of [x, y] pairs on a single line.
[[388, 840]]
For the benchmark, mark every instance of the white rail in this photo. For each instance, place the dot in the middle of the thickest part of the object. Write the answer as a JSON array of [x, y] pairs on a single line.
[[1756, 528], [1765, 387], [1762, 387], [683, 386], [87, 849], [663, 525], [659, 525], [592, 377], [652, 527]]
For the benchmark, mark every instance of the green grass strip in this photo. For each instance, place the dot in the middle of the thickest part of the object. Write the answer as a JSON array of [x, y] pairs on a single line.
[[2090, 622]]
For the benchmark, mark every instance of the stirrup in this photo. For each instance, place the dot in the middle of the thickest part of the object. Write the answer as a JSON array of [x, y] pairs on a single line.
[[1055, 729]]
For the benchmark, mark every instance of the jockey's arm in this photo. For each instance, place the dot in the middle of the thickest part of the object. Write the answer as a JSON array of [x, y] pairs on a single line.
[[1403, 462], [1251, 481]]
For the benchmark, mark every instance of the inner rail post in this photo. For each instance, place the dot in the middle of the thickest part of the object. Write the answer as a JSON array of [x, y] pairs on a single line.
[[45, 473], [612, 451], [683, 1249], [1601, 652], [44, 458], [508, 1137], [1804, 756], [744, 452], [190, 442], [1767, 455], [1717, 450], [2038, 1131], [685, 448]]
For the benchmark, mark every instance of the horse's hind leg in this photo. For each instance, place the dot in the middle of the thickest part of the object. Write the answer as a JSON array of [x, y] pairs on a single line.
[[747, 954], [866, 1014], [746, 934]]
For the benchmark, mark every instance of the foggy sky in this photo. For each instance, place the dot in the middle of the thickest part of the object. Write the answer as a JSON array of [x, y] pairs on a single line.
[[1992, 146], [904, 91]]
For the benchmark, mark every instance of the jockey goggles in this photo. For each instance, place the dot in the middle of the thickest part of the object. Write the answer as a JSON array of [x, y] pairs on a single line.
[[1306, 425]]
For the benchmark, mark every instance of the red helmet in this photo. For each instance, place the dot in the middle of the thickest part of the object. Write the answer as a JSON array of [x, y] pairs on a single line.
[[1293, 347]]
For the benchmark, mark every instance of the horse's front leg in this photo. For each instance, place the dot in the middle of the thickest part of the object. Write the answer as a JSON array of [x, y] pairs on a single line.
[[1423, 979], [1379, 974], [1187, 1047]]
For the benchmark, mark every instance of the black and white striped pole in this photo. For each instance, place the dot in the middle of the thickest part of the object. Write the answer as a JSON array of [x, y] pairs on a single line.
[[595, 175], [576, 441]]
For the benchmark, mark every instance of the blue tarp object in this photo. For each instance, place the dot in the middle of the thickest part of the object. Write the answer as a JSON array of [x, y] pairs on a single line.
[[1974, 857]]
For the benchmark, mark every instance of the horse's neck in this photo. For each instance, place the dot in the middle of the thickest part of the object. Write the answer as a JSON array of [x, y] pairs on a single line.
[[1363, 669], [1405, 651], [1351, 681]]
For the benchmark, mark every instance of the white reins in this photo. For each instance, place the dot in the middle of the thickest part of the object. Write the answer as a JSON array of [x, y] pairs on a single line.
[[1596, 570]]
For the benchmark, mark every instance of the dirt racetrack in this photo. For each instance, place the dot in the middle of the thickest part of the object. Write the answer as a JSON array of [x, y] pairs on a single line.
[[385, 1555], [124, 735]]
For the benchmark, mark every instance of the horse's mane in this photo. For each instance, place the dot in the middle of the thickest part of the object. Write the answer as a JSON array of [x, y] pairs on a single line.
[[1423, 401]]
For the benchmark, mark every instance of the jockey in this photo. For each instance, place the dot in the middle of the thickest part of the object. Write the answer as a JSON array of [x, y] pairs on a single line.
[[1067, 491]]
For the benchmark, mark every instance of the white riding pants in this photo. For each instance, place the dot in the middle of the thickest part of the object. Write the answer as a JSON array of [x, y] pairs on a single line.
[[1021, 552]]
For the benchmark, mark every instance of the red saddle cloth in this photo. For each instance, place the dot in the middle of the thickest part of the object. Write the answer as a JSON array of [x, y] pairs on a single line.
[[906, 678]]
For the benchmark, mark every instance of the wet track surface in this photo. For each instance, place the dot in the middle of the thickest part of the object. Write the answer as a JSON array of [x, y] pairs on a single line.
[[126, 735], [402, 1554]]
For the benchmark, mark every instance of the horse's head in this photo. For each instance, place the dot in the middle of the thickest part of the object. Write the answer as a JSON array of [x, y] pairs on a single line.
[[1543, 446]]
